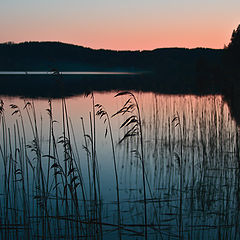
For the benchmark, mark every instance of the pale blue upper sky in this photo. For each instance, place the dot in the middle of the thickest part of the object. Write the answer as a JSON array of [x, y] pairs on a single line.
[[125, 24]]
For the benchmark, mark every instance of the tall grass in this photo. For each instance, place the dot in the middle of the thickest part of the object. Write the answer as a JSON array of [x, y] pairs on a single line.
[[135, 123], [177, 179], [103, 114]]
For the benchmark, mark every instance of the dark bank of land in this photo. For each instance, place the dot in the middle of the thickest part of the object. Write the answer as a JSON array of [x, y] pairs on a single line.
[[37, 56], [170, 70]]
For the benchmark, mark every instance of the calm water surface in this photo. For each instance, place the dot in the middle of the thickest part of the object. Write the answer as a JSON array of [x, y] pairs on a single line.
[[66, 73], [58, 178]]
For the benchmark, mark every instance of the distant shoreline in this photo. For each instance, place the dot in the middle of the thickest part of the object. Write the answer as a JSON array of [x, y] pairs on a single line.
[[45, 69], [67, 73], [62, 57]]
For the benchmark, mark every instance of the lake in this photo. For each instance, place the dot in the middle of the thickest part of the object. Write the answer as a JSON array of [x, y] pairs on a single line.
[[139, 165], [65, 73]]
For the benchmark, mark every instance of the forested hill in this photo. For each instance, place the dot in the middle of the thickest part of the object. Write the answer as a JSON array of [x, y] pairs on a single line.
[[44, 56]]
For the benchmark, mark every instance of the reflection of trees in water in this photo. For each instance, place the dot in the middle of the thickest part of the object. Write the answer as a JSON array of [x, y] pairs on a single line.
[[232, 98]]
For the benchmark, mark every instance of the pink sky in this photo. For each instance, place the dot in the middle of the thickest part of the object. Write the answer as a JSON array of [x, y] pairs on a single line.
[[122, 24]]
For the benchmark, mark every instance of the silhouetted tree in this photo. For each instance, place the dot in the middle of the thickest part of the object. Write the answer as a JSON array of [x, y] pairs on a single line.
[[235, 40], [233, 49]]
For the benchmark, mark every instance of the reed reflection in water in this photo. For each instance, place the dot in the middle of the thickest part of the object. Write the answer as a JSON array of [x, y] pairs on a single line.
[[59, 180]]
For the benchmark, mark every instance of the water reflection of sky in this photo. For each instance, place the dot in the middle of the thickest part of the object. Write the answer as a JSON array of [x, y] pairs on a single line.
[[197, 114], [200, 146]]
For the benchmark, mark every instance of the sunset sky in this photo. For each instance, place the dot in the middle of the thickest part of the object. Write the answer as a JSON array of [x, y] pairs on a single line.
[[121, 25]]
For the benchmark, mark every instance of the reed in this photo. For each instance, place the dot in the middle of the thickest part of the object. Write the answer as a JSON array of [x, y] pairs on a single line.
[[103, 114], [135, 122], [186, 160]]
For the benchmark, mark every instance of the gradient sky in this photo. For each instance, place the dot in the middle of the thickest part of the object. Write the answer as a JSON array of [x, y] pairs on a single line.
[[122, 25]]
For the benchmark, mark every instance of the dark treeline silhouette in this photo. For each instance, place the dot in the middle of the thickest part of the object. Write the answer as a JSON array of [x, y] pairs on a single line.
[[233, 48], [66, 57]]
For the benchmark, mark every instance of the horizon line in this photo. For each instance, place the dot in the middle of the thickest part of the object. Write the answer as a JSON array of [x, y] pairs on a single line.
[[108, 49]]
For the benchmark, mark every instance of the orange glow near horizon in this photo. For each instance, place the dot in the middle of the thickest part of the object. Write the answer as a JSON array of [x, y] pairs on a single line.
[[136, 39], [125, 25]]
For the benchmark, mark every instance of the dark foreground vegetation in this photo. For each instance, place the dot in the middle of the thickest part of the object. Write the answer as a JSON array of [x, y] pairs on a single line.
[[174, 172]]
